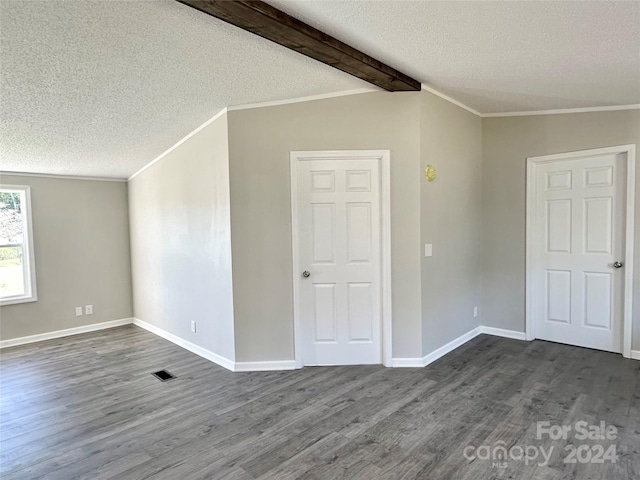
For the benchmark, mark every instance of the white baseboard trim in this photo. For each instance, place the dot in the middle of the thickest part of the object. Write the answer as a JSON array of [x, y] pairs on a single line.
[[192, 347], [501, 332], [452, 345], [635, 354], [13, 342], [264, 366], [406, 362], [461, 340], [436, 354], [214, 357]]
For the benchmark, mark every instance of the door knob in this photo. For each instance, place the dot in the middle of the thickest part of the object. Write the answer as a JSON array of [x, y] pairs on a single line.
[[306, 274], [617, 265]]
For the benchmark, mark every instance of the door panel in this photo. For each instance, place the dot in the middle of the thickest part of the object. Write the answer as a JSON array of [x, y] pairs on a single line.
[[559, 180], [579, 231], [559, 226], [598, 225], [598, 177], [360, 317], [325, 321], [339, 232], [359, 232], [323, 233], [358, 181], [597, 294], [558, 296]]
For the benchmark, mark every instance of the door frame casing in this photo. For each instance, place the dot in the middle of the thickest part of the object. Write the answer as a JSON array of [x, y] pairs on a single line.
[[532, 163], [384, 159]]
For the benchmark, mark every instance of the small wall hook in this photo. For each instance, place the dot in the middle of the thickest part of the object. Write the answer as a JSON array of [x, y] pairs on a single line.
[[430, 173]]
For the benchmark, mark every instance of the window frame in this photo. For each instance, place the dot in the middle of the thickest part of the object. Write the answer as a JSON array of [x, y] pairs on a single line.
[[28, 255]]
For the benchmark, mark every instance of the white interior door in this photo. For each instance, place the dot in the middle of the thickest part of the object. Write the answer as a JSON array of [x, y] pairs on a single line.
[[339, 252], [579, 240]]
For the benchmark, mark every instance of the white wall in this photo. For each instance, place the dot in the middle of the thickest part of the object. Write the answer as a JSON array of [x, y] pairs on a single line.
[[507, 142], [81, 242], [181, 242]]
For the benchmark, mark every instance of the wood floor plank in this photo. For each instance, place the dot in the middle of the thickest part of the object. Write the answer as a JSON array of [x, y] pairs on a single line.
[[87, 407]]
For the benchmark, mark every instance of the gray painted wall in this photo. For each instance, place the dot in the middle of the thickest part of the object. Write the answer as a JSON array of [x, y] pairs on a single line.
[[507, 142], [451, 140], [228, 188], [81, 243], [181, 244], [260, 141]]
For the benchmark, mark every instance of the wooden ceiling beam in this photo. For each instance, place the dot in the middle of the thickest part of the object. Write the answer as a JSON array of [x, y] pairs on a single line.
[[268, 22]]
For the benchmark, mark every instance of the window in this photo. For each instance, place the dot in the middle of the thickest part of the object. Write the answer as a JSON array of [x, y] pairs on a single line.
[[17, 265]]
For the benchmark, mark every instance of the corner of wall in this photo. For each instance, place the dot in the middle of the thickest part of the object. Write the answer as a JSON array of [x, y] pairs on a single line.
[[451, 141], [181, 242]]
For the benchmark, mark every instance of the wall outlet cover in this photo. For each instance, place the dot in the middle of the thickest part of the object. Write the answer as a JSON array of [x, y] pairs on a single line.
[[78, 311], [88, 310]]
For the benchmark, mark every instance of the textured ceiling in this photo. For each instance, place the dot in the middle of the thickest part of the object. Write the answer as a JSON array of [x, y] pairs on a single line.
[[497, 56], [103, 87]]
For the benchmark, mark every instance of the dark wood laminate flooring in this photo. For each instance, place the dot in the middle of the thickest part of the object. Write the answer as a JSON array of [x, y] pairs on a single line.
[[87, 407]]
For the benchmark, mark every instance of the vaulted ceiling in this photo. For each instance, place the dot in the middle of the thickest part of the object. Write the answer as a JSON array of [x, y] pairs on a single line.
[[497, 56], [103, 87]]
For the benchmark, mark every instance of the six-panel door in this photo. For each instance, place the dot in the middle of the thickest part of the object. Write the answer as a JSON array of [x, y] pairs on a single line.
[[339, 243], [579, 233]]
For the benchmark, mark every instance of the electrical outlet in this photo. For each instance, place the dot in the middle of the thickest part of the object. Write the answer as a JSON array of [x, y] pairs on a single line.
[[88, 310], [193, 326], [78, 311], [475, 312], [428, 250]]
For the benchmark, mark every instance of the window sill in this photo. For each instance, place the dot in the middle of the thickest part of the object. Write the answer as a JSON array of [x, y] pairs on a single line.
[[16, 300]]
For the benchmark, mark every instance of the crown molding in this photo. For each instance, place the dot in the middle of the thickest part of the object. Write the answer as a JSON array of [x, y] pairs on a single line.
[[62, 177], [559, 111], [324, 96], [451, 100], [309, 98], [178, 143], [610, 108], [246, 107]]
